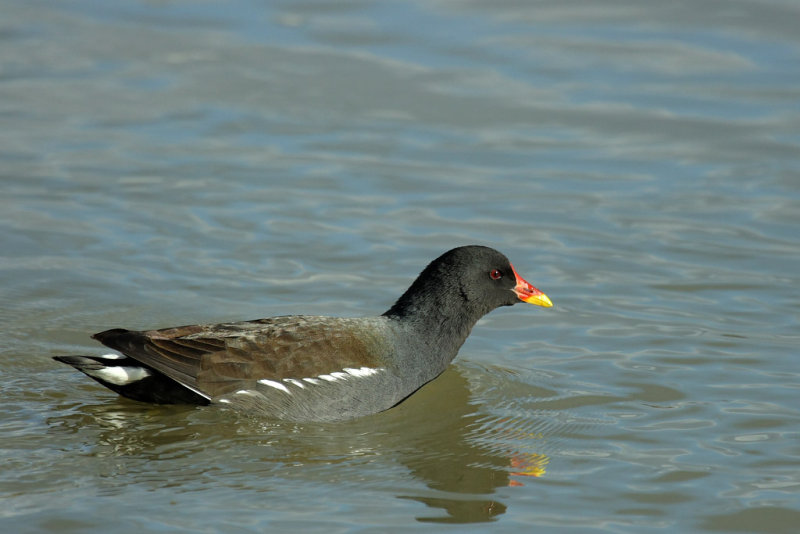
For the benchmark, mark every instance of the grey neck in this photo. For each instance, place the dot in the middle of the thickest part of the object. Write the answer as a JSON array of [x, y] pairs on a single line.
[[433, 330]]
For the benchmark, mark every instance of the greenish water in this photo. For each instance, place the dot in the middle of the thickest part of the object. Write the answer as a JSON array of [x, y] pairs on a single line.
[[166, 163]]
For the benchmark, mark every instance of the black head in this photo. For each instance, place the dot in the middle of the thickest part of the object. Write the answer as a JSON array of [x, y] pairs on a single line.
[[470, 281]]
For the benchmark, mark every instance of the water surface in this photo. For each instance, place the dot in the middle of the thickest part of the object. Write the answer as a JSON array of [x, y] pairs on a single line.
[[165, 163]]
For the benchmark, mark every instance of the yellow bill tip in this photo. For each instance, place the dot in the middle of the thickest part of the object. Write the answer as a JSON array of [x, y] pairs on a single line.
[[539, 300]]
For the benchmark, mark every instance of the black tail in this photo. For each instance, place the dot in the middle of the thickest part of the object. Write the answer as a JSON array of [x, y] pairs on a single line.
[[131, 379]]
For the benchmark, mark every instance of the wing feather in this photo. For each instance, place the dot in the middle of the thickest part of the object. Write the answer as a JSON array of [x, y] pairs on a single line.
[[218, 358]]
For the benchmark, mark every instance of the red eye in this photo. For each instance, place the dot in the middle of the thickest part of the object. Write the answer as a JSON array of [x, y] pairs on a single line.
[[495, 274]]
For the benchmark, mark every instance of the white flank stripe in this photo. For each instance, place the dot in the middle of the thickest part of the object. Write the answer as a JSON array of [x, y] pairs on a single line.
[[112, 356], [245, 392], [273, 384], [364, 371], [120, 376], [295, 382], [344, 374], [225, 401]]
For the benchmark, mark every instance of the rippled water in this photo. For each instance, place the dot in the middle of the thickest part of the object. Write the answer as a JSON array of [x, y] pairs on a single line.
[[167, 163]]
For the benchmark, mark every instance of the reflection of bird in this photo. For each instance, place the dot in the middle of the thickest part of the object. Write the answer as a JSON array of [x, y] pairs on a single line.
[[482, 454], [316, 368], [458, 455], [529, 465]]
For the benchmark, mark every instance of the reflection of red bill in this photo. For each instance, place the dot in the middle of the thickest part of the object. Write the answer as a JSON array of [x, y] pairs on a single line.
[[527, 465], [527, 293]]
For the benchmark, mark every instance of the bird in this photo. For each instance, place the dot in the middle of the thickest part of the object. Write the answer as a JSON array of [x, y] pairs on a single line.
[[308, 368]]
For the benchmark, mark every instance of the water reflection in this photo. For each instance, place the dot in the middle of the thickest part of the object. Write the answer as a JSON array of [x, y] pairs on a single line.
[[439, 435], [458, 452]]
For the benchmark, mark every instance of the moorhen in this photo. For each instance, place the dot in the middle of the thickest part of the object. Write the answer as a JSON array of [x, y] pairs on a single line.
[[313, 368]]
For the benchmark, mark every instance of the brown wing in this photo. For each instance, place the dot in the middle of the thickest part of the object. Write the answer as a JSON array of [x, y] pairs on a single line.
[[217, 358]]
